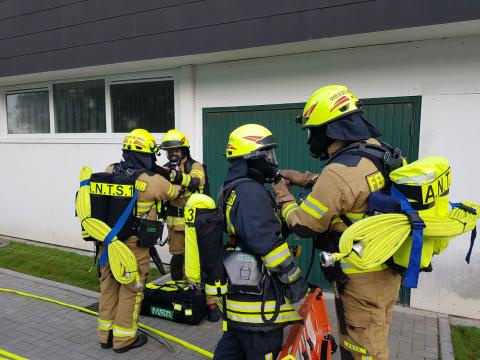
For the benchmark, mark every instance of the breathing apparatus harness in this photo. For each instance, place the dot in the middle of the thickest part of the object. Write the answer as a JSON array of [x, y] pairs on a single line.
[[239, 262], [177, 177], [122, 261], [149, 232], [386, 159], [106, 205]]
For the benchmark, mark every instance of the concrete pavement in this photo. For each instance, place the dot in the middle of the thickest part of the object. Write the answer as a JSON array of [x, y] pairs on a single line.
[[36, 329]]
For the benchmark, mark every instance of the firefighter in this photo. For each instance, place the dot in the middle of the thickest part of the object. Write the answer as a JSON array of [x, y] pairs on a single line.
[[119, 304], [338, 132], [263, 278], [182, 169]]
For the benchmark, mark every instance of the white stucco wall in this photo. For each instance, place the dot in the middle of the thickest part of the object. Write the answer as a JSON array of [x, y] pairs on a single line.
[[452, 130], [446, 73], [38, 195]]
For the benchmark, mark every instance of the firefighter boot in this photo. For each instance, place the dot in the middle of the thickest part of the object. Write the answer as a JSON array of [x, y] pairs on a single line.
[[109, 343], [176, 267], [212, 313], [139, 341]]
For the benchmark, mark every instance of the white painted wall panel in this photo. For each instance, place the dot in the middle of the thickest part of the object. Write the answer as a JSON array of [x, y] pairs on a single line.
[[452, 130], [38, 190], [38, 195]]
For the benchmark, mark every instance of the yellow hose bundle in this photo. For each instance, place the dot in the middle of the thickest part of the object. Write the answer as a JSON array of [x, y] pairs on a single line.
[[122, 261], [382, 235]]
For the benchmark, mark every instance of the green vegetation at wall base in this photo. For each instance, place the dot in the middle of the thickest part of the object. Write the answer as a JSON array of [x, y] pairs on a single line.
[[53, 264]]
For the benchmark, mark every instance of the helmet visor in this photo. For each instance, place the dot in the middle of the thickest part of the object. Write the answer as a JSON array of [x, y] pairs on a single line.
[[300, 119], [169, 144], [270, 156]]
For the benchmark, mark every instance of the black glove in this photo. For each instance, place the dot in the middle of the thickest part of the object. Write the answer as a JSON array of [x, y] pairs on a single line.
[[193, 185], [297, 290], [172, 175]]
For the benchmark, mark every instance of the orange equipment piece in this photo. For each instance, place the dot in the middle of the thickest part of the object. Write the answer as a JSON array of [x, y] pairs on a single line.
[[313, 339]]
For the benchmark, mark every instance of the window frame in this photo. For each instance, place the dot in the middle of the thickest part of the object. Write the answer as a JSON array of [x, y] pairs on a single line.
[[122, 81], [81, 138], [24, 90]]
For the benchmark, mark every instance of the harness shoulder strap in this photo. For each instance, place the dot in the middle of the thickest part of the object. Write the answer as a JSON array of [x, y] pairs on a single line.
[[384, 157], [117, 227], [134, 174], [417, 226], [189, 164], [225, 190]]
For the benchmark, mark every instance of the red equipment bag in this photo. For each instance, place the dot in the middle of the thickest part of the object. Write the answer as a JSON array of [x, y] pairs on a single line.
[[313, 339]]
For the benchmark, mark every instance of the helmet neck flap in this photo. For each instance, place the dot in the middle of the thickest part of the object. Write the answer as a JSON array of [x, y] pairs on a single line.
[[350, 128], [137, 161]]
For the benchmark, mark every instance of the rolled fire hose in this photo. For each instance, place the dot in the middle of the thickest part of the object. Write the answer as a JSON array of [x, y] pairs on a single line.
[[373, 240]]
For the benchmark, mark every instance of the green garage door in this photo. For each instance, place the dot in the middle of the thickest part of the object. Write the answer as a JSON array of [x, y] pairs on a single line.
[[397, 118]]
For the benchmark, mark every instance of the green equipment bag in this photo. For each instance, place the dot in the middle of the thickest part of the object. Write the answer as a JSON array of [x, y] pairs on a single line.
[[180, 303]]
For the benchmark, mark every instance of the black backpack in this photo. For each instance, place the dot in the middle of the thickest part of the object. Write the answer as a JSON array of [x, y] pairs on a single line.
[[209, 228]]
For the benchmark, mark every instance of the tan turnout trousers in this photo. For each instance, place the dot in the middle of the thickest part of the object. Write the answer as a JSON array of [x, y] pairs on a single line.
[[368, 300], [119, 304]]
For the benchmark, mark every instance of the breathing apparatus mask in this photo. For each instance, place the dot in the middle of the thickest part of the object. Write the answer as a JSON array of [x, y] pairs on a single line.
[[176, 155], [319, 142], [264, 162]]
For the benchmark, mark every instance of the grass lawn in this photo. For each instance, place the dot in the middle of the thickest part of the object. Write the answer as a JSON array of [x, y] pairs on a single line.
[[53, 264], [466, 342]]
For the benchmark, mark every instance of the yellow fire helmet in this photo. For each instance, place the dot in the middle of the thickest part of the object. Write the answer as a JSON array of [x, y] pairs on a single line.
[[174, 139], [327, 104], [140, 140], [248, 141]]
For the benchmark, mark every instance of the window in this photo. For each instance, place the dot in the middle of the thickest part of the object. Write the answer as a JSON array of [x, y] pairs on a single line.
[[146, 105], [80, 107], [88, 108], [28, 112]]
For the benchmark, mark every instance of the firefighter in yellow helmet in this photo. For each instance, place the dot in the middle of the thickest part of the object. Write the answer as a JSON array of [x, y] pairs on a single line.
[[119, 304], [182, 169], [263, 279], [358, 164]]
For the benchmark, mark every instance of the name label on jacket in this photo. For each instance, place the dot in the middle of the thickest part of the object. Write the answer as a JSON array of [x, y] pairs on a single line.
[[98, 188]]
